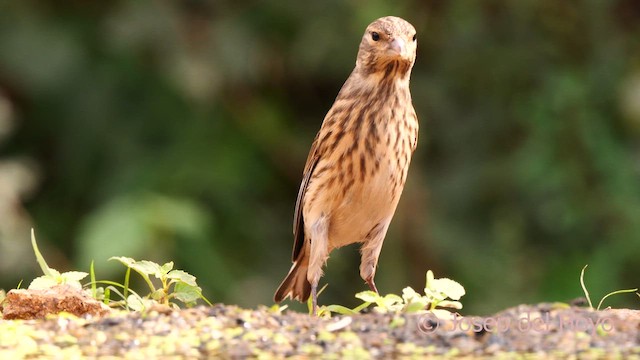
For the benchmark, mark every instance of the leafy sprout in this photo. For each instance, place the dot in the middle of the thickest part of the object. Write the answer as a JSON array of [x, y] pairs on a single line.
[[438, 294], [174, 284], [53, 277]]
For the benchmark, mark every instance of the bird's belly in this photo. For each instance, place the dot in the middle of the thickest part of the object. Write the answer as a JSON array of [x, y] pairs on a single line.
[[365, 205]]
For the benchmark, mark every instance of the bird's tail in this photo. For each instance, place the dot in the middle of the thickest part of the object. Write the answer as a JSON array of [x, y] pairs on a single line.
[[295, 285]]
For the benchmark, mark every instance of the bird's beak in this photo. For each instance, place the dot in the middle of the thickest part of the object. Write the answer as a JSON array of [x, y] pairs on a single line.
[[398, 46]]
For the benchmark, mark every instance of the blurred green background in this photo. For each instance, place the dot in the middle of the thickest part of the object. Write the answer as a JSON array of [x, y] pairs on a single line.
[[177, 130]]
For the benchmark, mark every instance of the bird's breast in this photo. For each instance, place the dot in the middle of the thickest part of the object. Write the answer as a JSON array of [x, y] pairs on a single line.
[[359, 183]]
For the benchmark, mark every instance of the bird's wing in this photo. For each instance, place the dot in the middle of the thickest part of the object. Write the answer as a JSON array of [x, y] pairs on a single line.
[[298, 222]]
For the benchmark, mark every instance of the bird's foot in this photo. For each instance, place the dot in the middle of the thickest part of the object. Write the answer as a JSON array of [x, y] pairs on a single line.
[[372, 285]]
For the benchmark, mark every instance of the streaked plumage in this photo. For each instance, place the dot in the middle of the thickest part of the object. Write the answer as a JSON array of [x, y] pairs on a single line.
[[358, 163]]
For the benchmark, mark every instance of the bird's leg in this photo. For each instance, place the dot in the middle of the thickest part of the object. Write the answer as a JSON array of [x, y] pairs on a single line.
[[314, 299], [318, 253], [370, 252]]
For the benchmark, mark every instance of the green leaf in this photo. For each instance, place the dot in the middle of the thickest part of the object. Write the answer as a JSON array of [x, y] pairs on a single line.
[[98, 293], [390, 303], [182, 276], [144, 268], [72, 278], [391, 299], [323, 312], [39, 258], [277, 308], [43, 282], [167, 267], [137, 303], [94, 292], [362, 306], [107, 296], [450, 304], [440, 289], [126, 261], [409, 295], [54, 274], [442, 314], [416, 306], [450, 288], [429, 281], [186, 293], [125, 286], [74, 275], [148, 268], [368, 296], [339, 309], [159, 295]]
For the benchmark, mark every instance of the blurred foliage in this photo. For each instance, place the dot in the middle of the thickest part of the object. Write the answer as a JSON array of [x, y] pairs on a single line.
[[177, 130]]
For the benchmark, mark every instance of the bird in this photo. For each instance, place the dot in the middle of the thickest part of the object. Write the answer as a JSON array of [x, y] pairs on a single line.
[[357, 165]]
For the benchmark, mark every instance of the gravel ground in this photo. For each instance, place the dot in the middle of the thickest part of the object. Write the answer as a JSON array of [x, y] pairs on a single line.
[[223, 331]]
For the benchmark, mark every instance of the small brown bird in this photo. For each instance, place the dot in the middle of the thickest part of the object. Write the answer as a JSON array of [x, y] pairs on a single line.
[[358, 163]]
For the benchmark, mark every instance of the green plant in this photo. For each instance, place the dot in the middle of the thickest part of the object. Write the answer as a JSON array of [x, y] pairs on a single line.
[[174, 284], [133, 301], [586, 292], [438, 294], [53, 277], [277, 308]]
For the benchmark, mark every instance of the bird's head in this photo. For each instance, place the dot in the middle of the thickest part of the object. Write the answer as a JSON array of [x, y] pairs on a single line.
[[389, 44]]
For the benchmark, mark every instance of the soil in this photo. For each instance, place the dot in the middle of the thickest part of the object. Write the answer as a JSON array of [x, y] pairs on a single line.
[[547, 330]]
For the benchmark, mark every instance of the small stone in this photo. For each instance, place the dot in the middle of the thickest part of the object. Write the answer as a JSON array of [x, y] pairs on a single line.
[[27, 304]]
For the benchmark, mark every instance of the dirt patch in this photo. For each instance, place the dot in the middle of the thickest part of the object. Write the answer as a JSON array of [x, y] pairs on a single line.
[[26, 304]]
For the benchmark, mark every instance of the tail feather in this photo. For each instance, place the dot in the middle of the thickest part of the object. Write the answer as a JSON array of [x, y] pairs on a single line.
[[295, 285]]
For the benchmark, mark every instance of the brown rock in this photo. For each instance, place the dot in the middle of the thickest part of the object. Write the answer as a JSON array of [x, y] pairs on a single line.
[[28, 304]]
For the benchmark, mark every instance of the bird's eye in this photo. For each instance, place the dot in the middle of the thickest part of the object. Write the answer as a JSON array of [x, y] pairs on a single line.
[[375, 36], [414, 37]]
